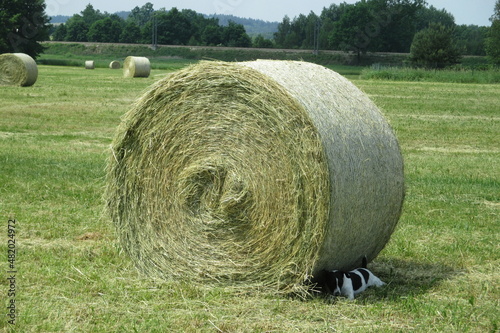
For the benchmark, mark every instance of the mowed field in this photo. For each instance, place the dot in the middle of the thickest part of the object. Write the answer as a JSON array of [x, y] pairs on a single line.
[[441, 265]]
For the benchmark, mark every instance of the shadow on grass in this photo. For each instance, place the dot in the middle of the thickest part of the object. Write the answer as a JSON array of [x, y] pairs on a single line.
[[403, 278]]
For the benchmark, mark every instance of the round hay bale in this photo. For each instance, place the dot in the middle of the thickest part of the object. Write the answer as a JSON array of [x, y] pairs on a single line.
[[258, 173], [89, 64], [114, 65], [17, 69], [136, 67]]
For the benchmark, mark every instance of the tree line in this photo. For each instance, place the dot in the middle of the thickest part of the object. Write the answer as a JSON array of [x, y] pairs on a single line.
[[366, 26], [374, 26], [173, 27]]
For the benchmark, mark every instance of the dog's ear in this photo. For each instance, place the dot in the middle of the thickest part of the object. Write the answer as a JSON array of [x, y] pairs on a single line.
[[364, 262]]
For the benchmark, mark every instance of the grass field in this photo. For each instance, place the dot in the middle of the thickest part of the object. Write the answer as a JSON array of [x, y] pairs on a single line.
[[462, 75], [441, 265]]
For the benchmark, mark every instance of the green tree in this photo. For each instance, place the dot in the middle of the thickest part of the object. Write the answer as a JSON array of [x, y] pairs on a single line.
[[173, 27], [392, 25], [142, 15], [91, 15], [23, 24], [198, 24], [493, 40], [434, 47], [212, 35], [284, 30], [105, 30], [235, 35], [428, 15], [471, 39], [262, 43], [77, 29], [131, 33], [329, 17], [296, 33], [60, 32], [349, 31], [310, 24], [496, 12]]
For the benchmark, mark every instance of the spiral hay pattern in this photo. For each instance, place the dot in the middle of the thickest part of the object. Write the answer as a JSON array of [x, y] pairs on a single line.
[[115, 65], [256, 174], [136, 67], [17, 69]]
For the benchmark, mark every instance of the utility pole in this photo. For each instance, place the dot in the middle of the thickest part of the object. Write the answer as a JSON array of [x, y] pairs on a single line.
[[317, 28], [154, 28]]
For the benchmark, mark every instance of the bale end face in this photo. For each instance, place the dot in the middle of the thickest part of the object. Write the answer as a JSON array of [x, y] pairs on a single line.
[[18, 69], [114, 65], [136, 67], [242, 173]]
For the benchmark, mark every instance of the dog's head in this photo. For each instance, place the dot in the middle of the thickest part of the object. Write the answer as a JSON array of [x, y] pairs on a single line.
[[330, 282]]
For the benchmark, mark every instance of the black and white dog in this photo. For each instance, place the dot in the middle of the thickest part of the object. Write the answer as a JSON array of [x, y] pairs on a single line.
[[346, 283]]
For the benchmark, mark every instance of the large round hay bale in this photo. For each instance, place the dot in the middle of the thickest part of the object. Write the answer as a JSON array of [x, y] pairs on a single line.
[[89, 64], [136, 67], [17, 69], [257, 172], [115, 65]]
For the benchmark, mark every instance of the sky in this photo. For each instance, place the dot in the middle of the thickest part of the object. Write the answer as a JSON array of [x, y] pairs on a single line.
[[475, 12]]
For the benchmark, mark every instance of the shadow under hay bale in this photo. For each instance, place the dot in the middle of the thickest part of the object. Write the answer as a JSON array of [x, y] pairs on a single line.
[[256, 173], [18, 69], [136, 67], [89, 64]]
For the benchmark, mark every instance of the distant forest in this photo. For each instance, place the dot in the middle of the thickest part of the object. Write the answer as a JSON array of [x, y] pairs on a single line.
[[367, 26], [253, 27]]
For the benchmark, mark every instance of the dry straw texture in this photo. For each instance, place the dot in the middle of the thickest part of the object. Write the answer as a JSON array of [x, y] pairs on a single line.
[[254, 174], [17, 69], [136, 67], [115, 65], [89, 64]]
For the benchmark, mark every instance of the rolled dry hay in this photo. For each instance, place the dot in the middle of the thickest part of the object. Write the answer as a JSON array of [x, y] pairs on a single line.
[[256, 173], [17, 69], [114, 65], [136, 67], [89, 64]]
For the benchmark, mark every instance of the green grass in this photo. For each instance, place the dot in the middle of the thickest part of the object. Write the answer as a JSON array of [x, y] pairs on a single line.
[[460, 75], [441, 264], [57, 53]]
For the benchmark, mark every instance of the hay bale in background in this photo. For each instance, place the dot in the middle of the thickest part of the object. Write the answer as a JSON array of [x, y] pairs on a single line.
[[259, 173], [136, 67], [17, 69], [114, 65], [89, 64]]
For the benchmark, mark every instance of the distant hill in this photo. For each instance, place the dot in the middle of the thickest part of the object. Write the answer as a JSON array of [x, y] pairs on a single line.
[[59, 19], [253, 27], [123, 14]]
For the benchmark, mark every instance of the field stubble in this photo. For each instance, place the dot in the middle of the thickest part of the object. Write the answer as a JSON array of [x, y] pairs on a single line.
[[441, 264]]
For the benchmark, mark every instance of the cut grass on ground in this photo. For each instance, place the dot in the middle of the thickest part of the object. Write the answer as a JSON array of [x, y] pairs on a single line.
[[441, 264]]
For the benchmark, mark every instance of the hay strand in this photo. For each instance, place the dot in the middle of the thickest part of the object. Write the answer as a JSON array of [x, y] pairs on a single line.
[[89, 64], [136, 67], [17, 69], [115, 65], [258, 173]]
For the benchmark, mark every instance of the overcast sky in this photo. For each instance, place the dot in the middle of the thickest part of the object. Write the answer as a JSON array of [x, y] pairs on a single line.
[[465, 11]]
